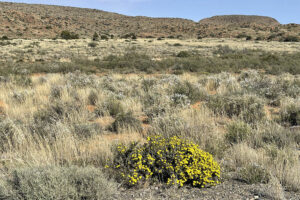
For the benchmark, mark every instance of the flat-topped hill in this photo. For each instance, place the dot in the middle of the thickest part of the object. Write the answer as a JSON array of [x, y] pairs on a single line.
[[240, 20]]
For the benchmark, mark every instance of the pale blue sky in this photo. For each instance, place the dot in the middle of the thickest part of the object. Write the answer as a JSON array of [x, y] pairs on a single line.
[[285, 11]]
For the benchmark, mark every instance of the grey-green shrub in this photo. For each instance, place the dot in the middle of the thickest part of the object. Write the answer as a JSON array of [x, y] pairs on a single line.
[[273, 134], [191, 91], [93, 97], [10, 134], [56, 92], [86, 130], [237, 132], [290, 115], [253, 174], [247, 107], [33, 183], [111, 106], [126, 120]]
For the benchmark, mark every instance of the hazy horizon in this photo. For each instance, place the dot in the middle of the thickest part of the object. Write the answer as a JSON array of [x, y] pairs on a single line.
[[285, 12]]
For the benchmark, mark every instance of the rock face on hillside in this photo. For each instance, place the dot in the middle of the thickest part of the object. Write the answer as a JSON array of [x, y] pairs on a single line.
[[240, 20]]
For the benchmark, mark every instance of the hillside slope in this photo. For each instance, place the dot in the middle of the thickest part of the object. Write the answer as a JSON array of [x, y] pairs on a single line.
[[44, 21], [30, 20]]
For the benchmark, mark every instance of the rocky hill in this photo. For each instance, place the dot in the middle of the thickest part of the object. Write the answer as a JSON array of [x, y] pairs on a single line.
[[44, 21]]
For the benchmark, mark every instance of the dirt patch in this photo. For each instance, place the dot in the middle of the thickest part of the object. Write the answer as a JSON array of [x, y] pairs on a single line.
[[91, 108], [143, 118], [271, 112], [3, 107], [145, 128], [196, 105], [37, 75], [123, 137]]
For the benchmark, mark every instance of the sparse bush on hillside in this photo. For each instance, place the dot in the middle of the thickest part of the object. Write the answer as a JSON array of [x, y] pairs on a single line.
[[104, 37], [242, 35], [172, 161], [67, 35], [249, 37], [259, 38], [291, 38], [129, 36], [95, 37], [4, 37]]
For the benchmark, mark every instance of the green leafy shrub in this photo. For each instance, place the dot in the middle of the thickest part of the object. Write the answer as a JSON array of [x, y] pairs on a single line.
[[57, 183], [237, 132], [168, 160]]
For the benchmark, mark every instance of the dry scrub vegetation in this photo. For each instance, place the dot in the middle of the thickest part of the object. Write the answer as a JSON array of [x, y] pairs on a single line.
[[34, 50], [58, 131]]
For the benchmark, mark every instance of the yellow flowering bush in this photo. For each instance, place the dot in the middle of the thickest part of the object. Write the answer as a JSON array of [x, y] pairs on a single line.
[[169, 160]]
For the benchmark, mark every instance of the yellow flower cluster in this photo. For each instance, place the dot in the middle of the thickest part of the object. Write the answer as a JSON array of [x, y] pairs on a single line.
[[170, 160]]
